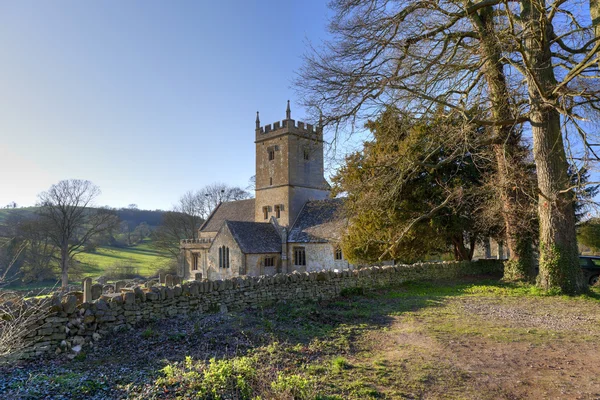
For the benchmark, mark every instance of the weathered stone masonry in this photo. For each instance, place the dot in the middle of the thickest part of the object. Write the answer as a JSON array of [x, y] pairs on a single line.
[[70, 324]]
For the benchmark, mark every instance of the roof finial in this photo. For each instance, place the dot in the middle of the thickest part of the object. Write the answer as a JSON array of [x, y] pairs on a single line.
[[288, 112], [257, 121]]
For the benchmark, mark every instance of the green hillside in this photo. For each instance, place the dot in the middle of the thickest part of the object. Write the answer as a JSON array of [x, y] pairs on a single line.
[[142, 257]]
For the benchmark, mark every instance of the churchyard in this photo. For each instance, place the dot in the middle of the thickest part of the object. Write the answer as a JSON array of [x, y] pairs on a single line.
[[462, 338]]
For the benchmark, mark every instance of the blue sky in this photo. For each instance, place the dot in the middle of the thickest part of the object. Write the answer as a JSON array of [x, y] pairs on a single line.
[[147, 99]]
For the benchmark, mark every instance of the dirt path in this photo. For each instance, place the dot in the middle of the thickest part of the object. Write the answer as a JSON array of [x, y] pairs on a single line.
[[486, 348]]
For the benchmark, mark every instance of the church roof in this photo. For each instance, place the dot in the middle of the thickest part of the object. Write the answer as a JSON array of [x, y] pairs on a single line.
[[319, 221], [255, 237], [240, 210]]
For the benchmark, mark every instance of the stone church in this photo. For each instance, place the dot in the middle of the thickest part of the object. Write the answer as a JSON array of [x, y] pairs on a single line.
[[291, 225]]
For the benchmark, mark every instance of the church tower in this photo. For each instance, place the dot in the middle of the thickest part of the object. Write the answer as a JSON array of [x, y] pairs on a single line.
[[289, 169]]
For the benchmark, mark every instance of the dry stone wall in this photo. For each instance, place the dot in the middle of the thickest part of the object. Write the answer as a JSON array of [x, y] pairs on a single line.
[[70, 324]]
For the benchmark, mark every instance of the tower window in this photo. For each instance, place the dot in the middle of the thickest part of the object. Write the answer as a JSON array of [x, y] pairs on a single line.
[[271, 154], [338, 253], [271, 181], [223, 257], [277, 211], [269, 261], [306, 154], [299, 256], [266, 212]]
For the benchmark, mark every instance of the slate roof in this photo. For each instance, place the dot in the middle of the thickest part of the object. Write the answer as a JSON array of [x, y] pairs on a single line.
[[319, 221], [255, 237], [240, 210]]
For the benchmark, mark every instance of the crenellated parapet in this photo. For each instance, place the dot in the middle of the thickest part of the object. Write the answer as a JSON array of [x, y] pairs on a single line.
[[199, 243], [287, 126]]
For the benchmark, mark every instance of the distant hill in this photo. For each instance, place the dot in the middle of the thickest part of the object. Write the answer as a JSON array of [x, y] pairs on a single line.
[[4, 212], [133, 216], [136, 217]]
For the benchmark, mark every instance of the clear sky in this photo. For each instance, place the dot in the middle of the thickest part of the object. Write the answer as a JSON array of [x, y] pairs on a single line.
[[147, 99]]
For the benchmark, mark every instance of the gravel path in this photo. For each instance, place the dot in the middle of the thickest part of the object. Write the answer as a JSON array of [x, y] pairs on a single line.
[[534, 313]]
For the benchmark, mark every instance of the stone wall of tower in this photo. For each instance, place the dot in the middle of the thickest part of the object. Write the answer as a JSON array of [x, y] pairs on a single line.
[[289, 169]]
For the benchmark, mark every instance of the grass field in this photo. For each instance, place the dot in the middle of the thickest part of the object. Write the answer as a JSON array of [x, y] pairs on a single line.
[[467, 339], [145, 259]]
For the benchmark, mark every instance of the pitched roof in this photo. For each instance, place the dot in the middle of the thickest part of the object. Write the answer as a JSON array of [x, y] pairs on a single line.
[[319, 221], [255, 237], [240, 210]]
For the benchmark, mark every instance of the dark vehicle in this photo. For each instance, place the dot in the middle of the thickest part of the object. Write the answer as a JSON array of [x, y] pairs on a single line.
[[591, 268]]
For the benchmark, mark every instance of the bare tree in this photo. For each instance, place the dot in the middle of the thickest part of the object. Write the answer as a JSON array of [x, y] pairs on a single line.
[[217, 193], [188, 214], [496, 64], [68, 218]]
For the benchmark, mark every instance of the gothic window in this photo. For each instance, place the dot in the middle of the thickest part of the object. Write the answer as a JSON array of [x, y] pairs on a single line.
[[277, 211], [269, 261], [271, 181], [299, 256], [271, 154], [194, 262], [266, 212], [223, 257], [338, 253], [306, 154]]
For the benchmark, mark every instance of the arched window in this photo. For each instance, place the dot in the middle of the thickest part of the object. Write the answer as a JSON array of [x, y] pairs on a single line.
[[338, 253], [223, 257]]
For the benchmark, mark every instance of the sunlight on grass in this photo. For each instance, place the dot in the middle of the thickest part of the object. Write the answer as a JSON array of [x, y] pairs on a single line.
[[142, 257]]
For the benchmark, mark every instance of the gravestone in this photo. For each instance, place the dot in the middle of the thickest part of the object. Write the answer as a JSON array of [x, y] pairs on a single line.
[[87, 290], [198, 276], [169, 280], [96, 291], [161, 279], [119, 285]]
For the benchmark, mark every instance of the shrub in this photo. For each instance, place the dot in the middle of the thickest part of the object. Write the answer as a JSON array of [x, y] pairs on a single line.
[[296, 386], [17, 316], [119, 271], [167, 267], [338, 364], [219, 379]]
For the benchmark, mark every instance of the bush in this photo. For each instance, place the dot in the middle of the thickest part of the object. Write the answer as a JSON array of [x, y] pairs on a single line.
[[338, 364], [17, 316], [120, 271], [169, 267], [220, 379], [296, 386]]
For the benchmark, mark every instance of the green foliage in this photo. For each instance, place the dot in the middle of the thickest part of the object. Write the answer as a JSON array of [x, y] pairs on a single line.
[[352, 291], [588, 234], [220, 379], [520, 268], [295, 386], [560, 271], [338, 364], [413, 190], [148, 333]]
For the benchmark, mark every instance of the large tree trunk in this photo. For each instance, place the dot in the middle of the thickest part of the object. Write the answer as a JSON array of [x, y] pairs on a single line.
[[507, 151], [559, 263], [595, 15], [64, 266]]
